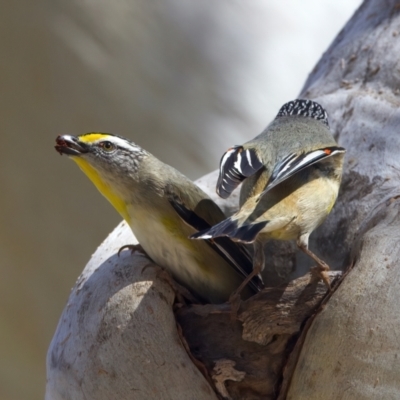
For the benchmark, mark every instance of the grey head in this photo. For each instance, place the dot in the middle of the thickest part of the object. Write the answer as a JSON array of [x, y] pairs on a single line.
[[109, 154]]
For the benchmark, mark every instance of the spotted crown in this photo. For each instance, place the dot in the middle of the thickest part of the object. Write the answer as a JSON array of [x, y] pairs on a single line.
[[304, 108]]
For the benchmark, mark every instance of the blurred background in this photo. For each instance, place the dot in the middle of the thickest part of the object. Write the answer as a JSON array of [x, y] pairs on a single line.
[[183, 79]]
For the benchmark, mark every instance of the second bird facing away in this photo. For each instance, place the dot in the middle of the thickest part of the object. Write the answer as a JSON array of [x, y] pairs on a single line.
[[291, 175], [163, 208]]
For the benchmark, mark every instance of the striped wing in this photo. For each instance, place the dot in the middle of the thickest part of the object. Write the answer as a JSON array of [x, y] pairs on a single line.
[[236, 165], [294, 163], [234, 253]]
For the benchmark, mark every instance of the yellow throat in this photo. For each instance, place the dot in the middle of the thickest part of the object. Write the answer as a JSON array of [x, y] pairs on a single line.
[[104, 188]]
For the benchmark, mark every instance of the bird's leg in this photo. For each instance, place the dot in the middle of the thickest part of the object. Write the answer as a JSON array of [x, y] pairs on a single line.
[[322, 267], [133, 248], [258, 266]]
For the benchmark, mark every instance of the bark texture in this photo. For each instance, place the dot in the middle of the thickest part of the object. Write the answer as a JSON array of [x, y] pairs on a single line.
[[117, 337], [352, 348]]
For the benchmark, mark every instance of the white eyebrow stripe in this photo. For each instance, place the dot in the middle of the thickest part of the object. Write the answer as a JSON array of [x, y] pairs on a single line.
[[119, 142]]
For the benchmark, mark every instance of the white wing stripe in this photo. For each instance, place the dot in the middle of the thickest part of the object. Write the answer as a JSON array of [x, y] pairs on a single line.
[[236, 164], [225, 157], [248, 155]]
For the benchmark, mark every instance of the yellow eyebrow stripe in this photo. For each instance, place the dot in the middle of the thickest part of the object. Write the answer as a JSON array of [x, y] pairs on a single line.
[[92, 137]]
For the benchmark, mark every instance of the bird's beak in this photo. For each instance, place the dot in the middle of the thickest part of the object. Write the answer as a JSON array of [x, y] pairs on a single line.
[[70, 145]]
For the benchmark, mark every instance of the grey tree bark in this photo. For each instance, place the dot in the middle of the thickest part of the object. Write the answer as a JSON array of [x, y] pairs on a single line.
[[118, 337], [351, 350]]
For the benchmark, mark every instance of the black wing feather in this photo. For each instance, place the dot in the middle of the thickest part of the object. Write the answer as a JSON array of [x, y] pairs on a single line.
[[229, 228], [296, 163], [235, 254], [236, 165]]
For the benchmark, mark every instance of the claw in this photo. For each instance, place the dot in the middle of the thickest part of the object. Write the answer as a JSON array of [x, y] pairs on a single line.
[[133, 248], [321, 272]]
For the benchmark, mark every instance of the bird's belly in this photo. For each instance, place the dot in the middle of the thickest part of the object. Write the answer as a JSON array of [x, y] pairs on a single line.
[[302, 211], [167, 245], [193, 263], [315, 207], [286, 229], [289, 232]]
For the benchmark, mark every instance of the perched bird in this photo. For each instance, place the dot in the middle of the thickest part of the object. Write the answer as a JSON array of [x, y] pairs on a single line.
[[163, 208], [291, 175]]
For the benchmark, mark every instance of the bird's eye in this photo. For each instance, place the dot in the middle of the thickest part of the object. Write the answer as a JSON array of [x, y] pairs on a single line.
[[107, 146]]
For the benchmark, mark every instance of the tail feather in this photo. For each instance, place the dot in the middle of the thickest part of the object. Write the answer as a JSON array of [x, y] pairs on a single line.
[[248, 233], [224, 228], [230, 228]]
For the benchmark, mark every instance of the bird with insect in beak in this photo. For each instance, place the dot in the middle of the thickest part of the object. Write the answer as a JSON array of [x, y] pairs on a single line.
[[163, 208], [290, 177]]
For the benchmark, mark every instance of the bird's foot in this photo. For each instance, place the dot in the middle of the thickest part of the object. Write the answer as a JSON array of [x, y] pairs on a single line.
[[322, 268], [235, 301], [321, 272], [132, 247]]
